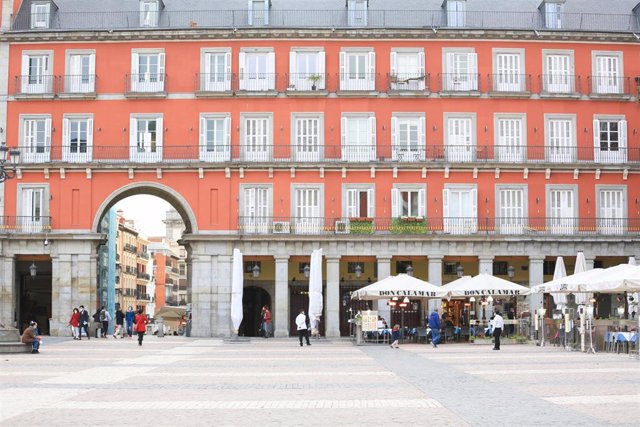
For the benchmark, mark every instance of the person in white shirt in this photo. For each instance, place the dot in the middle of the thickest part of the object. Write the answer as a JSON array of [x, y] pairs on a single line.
[[301, 323], [498, 326]]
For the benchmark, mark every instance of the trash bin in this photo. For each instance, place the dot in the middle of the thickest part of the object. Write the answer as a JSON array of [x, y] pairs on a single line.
[[160, 325]]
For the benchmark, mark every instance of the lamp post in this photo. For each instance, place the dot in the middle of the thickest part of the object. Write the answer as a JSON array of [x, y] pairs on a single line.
[[306, 270], [8, 162], [33, 270], [358, 271], [409, 270], [459, 270], [403, 305], [255, 271]]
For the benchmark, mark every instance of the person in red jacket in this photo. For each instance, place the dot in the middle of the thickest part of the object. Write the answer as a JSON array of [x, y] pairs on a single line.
[[140, 325], [74, 322], [266, 318]]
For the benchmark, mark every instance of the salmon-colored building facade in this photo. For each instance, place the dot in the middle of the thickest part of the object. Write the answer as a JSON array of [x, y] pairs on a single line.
[[418, 139]]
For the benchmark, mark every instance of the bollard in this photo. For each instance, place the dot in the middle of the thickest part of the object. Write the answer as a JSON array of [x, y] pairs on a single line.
[[160, 325]]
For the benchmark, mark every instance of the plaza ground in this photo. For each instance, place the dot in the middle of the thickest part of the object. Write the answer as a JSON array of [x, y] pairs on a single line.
[[189, 381]]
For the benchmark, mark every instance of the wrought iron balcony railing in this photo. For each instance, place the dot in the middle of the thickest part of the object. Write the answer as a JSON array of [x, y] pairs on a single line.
[[609, 86], [34, 85], [358, 82], [77, 84], [524, 226], [560, 85], [229, 19], [459, 82], [145, 83], [409, 82], [510, 83], [606, 154], [25, 224]]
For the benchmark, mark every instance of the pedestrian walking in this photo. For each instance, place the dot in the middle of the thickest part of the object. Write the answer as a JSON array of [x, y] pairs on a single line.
[[266, 321], [434, 325], [84, 322], [31, 336], [141, 325], [74, 323], [498, 326], [130, 318], [105, 318], [303, 329], [119, 324], [395, 336]]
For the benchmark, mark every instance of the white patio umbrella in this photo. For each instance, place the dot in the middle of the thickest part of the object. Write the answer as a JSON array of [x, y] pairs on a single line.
[[560, 271], [399, 286], [237, 285], [569, 284], [315, 287], [483, 285], [621, 278], [582, 298]]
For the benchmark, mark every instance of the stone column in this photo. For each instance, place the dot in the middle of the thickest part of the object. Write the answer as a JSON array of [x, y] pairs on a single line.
[[384, 271], [281, 304], [333, 297], [590, 263], [536, 277], [7, 291], [435, 277], [62, 282], [485, 264], [222, 326], [202, 275]]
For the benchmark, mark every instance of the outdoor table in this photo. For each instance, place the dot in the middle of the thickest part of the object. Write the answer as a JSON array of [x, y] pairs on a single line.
[[625, 338]]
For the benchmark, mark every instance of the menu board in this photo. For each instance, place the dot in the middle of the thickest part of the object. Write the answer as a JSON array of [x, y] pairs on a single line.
[[370, 321]]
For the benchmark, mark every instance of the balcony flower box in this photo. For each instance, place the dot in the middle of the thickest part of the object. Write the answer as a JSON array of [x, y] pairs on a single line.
[[408, 225], [361, 225]]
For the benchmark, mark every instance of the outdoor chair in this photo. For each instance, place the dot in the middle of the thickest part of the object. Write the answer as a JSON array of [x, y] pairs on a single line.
[[464, 332], [421, 333]]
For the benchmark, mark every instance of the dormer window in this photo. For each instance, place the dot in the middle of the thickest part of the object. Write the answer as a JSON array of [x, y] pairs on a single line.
[[456, 11], [552, 11], [258, 12], [357, 11], [149, 13], [40, 15]]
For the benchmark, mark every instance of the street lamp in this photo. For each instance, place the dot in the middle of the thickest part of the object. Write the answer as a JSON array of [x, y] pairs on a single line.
[[8, 161], [409, 270], [255, 271], [460, 270], [358, 271], [306, 271], [33, 270], [511, 271]]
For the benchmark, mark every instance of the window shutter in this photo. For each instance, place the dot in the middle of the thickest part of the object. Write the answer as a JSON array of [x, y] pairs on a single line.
[[421, 66], [89, 134], [451, 64], [203, 134], [394, 133], [159, 135], [66, 140], [473, 71], [161, 59], [134, 64], [133, 132], [395, 203], [321, 62], [207, 65], [372, 133], [445, 203], [266, 12], [352, 203], [343, 68], [293, 56], [227, 66], [25, 65], [227, 134], [271, 68], [343, 133], [250, 12], [596, 134], [474, 203], [92, 67], [242, 65], [372, 68], [622, 134], [25, 135], [249, 199], [393, 65], [371, 203], [423, 133], [45, 70], [47, 134], [422, 211]]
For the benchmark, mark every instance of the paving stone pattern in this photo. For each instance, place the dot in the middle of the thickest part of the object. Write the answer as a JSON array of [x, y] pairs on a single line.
[[183, 381]]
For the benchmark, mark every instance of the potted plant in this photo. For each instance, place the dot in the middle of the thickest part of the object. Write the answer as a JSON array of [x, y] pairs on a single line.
[[361, 225], [314, 78], [408, 225]]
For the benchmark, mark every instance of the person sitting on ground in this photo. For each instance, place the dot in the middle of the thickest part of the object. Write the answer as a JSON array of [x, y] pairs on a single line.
[[30, 336]]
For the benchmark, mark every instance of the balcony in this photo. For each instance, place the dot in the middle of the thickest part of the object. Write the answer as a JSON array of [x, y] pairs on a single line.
[[262, 84], [215, 84], [408, 84], [358, 84], [147, 85], [336, 19], [609, 87], [509, 85], [307, 84], [142, 296], [34, 86], [559, 86], [332, 154], [25, 224], [459, 84], [519, 226], [77, 86]]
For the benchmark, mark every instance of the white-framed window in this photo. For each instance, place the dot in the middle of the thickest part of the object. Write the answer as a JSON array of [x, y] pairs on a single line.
[[552, 11], [560, 138], [77, 138], [460, 209], [256, 207], [33, 207], [610, 139], [147, 71], [149, 13], [358, 201], [510, 137], [612, 209], [408, 140], [145, 138], [40, 15], [460, 70], [357, 11], [558, 72], [216, 70], [35, 138], [409, 201], [81, 72], [511, 208], [257, 70], [308, 208], [407, 69], [256, 135], [608, 73], [307, 137], [456, 10], [215, 137], [562, 210], [37, 74], [358, 136], [258, 12], [460, 137], [307, 69], [357, 70], [508, 70]]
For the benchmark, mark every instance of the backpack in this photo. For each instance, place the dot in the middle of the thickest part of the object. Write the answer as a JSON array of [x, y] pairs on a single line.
[[96, 316]]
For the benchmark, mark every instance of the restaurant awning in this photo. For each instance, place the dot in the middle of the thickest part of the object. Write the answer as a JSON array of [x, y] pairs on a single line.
[[483, 285], [399, 286]]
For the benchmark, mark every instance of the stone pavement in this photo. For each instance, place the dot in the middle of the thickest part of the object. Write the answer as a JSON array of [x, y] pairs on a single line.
[[175, 380]]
